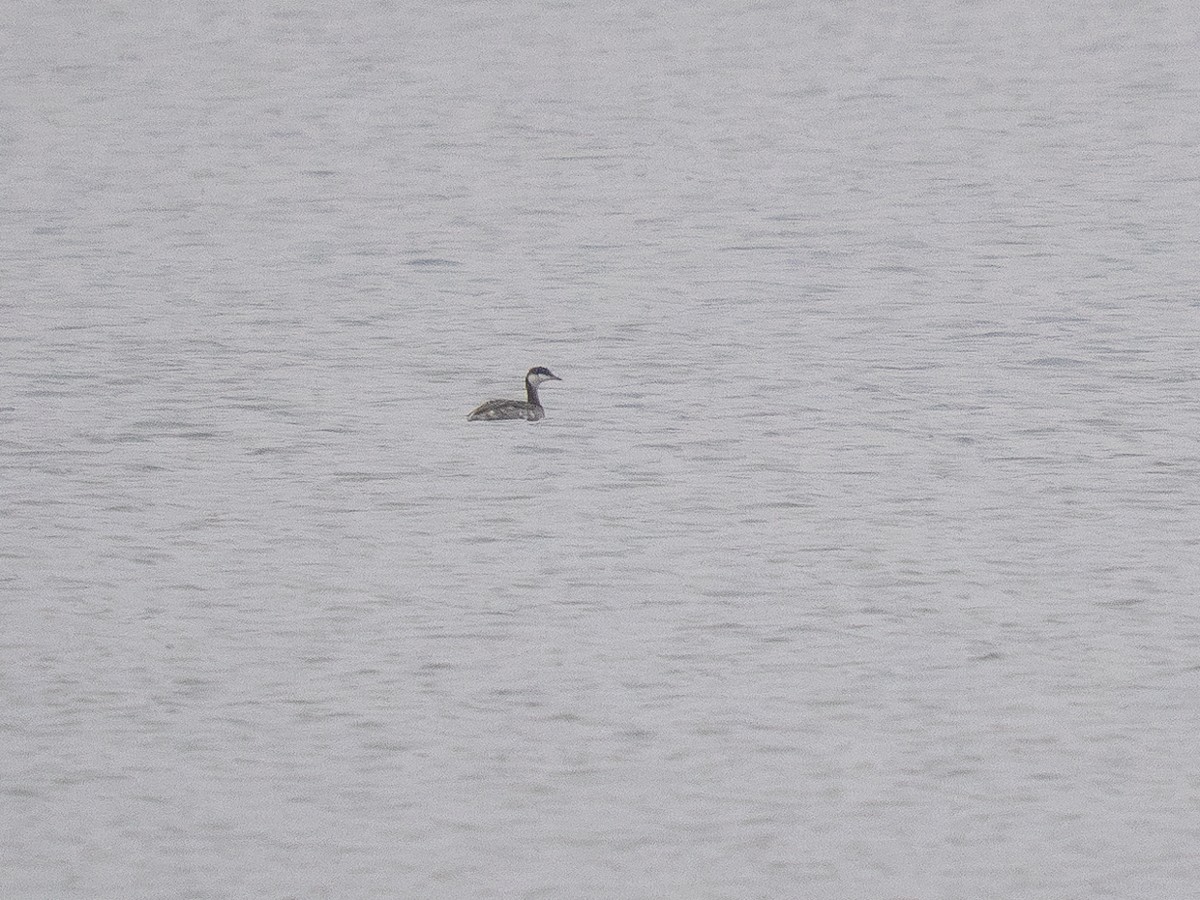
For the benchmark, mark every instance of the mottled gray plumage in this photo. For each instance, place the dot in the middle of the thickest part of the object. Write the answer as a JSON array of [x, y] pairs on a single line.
[[529, 409]]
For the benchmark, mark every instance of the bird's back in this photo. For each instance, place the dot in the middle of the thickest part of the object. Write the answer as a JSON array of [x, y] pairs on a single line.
[[506, 409]]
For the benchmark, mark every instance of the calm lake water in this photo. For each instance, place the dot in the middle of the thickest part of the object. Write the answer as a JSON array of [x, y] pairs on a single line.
[[857, 554]]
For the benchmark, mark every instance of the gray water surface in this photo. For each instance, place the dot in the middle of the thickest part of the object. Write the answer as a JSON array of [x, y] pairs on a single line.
[[857, 554]]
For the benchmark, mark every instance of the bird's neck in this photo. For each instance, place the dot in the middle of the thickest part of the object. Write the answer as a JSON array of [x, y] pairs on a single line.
[[531, 392]]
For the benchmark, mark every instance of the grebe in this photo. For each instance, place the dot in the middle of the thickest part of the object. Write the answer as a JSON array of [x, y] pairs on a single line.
[[530, 409]]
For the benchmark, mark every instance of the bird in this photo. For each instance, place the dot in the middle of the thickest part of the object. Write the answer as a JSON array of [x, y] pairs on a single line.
[[529, 409]]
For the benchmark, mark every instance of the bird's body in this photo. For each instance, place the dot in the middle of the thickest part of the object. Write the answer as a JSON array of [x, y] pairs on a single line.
[[529, 409], [507, 409]]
